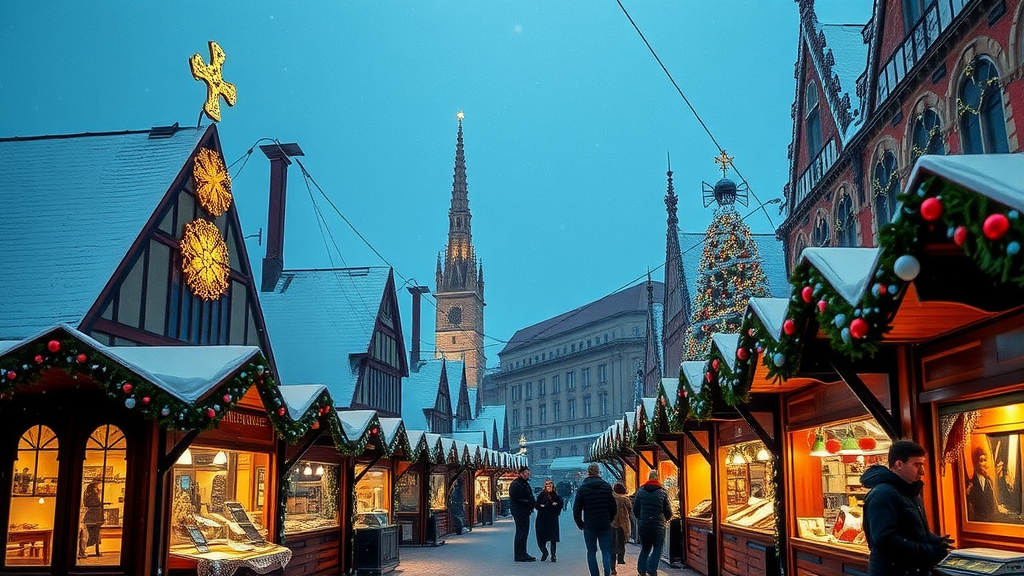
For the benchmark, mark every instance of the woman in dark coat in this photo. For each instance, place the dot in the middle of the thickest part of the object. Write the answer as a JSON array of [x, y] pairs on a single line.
[[549, 506], [93, 518]]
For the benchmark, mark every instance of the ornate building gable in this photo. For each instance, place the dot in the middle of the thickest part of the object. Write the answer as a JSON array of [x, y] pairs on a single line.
[[460, 282], [149, 249]]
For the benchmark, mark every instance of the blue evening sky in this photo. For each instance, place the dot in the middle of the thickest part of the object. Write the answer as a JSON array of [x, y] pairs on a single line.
[[568, 121]]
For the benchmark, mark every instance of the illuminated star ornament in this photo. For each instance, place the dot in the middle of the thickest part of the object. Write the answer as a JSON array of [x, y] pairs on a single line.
[[216, 86], [204, 259], [212, 182], [724, 161]]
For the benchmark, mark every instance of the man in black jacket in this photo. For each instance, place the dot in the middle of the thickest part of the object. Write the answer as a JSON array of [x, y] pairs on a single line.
[[522, 503], [652, 511], [593, 512], [894, 520]]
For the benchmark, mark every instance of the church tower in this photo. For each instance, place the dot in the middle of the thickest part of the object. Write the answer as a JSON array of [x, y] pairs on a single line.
[[459, 329]]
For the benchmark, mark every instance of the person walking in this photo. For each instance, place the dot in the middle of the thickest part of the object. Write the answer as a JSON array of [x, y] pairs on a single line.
[[522, 502], [652, 511], [93, 518], [549, 506], [621, 524], [898, 538], [593, 512]]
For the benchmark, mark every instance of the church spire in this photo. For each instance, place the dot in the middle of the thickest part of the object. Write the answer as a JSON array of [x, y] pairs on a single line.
[[460, 265]]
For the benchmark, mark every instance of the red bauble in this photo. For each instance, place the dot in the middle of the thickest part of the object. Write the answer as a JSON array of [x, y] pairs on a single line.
[[145, 399], [127, 388], [81, 358], [807, 294], [742, 353], [210, 412], [867, 443], [11, 375], [316, 425], [39, 358], [750, 332], [960, 235], [709, 376], [53, 346], [714, 364], [833, 445], [789, 326], [227, 398], [931, 209], [995, 226], [858, 328], [374, 431], [281, 411], [822, 305]]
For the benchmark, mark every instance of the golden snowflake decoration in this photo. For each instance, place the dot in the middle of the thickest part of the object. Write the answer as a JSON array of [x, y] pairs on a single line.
[[204, 259], [212, 182]]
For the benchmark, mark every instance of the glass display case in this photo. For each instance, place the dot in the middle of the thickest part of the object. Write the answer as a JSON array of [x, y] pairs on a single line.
[[312, 502], [749, 493], [210, 486], [438, 495], [373, 493], [669, 474], [981, 484], [483, 489], [829, 496], [407, 493], [33, 496]]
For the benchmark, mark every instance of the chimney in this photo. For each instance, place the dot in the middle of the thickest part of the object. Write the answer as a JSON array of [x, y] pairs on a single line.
[[414, 351], [280, 157]]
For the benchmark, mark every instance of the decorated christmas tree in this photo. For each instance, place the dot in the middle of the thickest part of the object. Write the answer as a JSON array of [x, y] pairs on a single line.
[[730, 272]]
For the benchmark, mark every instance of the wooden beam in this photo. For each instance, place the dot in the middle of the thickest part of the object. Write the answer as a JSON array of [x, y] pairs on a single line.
[[671, 455], [878, 411], [762, 434], [700, 447]]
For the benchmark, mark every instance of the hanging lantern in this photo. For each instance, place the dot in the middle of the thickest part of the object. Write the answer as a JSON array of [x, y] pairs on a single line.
[[818, 448], [850, 445]]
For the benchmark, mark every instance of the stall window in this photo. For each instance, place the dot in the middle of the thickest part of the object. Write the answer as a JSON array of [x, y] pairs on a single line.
[[698, 485], [669, 474], [983, 447], [407, 493], [373, 497], [33, 496], [830, 460], [483, 489], [211, 487], [312, 497], [437, 492], [749, 492], [103, 487]]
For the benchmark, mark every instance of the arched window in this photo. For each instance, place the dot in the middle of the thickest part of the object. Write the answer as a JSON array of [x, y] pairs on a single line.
[[33, 498], [104, 472], [813, 116], [885, 186], [980, 106], [821, 235], [927, 135], [846, 222], [798, 249]]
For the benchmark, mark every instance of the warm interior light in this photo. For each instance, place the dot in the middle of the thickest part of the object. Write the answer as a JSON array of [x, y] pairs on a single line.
[[307, 471], [42, 501], [185, 459], [739, 458], [320, 470], [763, 455], [850, 446], [818, 449], [220, 458]]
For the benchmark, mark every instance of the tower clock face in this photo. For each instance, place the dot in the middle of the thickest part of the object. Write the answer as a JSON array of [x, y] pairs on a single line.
[[455, 316]]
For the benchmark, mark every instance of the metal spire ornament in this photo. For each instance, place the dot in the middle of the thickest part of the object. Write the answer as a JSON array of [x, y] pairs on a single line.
[[216, 86]]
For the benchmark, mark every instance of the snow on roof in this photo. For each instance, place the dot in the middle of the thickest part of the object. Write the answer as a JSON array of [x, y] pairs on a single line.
[[188, 372], [998, 176], [773, 261], [473, 437], [568, 463], [419, 391], [454, 371], [693, 371], [355, 422], [771, 312], [650, 405], [850, 60], [389, 428], [337, 309], [727, 344], [82, 200], [299, 397], [497, 413], [848, 270], [472, 391]]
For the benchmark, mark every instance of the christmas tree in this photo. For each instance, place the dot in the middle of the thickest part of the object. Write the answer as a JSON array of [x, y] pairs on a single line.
[[730, 273]]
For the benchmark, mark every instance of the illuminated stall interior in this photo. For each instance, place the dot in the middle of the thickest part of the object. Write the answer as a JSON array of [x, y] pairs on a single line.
[[373, 497], [437, 494], [749, 496], [669, 474], [698, 484], [981, 495], [483, 490], [312, 502], [827, 464], [208, 482]]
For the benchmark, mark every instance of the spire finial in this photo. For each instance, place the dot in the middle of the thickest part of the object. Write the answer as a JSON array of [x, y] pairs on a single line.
[[724, 161], [460, 116]]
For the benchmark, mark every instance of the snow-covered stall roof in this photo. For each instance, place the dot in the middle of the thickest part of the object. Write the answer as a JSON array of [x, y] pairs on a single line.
[[335, 308], [82, 201], [997, 176]]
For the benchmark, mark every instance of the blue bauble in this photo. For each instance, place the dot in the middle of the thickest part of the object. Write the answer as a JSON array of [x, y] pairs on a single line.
[[779, 359], [906, 267], [129, 402], [1013, 248], [839, 320], [845, 334]]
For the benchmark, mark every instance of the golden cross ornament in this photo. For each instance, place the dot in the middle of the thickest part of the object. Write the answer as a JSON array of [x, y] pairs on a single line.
[[724, 162], [216, 86]]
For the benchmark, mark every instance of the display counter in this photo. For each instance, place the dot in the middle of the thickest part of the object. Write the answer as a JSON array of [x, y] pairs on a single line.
[[698, 529], [376, 549], [747, 552], [746, 502], [813, 558], [225, 558], [700, 544]]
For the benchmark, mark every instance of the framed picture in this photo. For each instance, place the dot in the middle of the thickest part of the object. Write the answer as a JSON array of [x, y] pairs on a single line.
[[991, 478], [261, 486], [90, 473], [812, 528]]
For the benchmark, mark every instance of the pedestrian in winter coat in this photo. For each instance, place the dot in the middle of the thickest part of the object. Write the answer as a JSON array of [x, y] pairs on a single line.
[[652, 511], [621, 524], [549, 506], [593, 512], [894, 520], [93, 518], [522, 503]]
